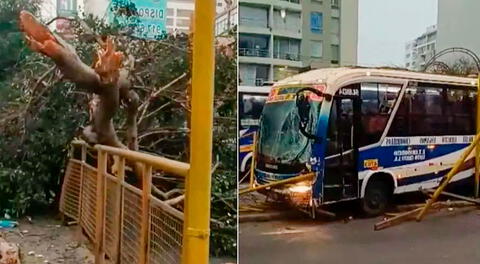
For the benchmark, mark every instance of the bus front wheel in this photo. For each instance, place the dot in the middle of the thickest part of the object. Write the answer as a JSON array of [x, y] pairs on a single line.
[[376, 199]]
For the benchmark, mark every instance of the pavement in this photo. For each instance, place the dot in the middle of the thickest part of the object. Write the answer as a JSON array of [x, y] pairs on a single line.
[[447, 236]]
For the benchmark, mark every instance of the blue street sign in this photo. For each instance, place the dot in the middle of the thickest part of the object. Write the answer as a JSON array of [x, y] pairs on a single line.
[[149, 21]]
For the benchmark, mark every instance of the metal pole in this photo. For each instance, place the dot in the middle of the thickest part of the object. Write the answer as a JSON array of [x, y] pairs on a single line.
[[456, 167], [252, 166], [477, 149], [197, 199]]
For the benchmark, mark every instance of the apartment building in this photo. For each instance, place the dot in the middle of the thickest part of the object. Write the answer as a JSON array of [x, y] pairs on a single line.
[[227, 16], [420, 50], [456, 27], [278, 38], [457, 23]]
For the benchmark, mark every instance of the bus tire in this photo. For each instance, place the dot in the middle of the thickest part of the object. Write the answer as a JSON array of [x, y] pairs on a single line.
[[376, 198]]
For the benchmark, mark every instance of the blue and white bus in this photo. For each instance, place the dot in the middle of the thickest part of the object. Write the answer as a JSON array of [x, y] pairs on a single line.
[[365, 134], [251, 100]]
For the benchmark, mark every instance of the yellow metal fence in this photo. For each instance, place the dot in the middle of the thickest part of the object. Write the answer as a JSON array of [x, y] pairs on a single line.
[[126, 224]]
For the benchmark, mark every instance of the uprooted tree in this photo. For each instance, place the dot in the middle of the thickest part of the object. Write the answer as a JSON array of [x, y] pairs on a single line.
[[107, 81]]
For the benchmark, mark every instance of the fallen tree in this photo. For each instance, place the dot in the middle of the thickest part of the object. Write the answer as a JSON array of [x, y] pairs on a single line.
[[106, 80], [47, 108]]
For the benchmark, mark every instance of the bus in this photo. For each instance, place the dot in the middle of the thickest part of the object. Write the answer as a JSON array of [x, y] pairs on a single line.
[[251, 100], [365, 134]]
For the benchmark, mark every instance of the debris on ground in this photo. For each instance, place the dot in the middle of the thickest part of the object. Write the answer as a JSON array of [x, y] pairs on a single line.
[[8, 252], [46, 241], [8, 224]]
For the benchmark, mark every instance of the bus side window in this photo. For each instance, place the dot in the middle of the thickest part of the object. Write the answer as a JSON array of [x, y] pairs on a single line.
[[435, 110], [378, 100], [401, 122], [461, 118]]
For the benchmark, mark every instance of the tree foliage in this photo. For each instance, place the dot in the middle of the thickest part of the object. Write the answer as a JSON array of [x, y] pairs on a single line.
[[42, 113]]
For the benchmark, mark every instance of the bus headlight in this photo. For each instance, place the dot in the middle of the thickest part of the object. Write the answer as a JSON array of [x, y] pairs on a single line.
[[300, 188]]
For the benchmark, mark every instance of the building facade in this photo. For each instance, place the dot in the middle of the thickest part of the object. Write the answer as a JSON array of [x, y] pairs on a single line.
[[420, 50], [456, 27], [457, 23], [278, 38], [227, 16]]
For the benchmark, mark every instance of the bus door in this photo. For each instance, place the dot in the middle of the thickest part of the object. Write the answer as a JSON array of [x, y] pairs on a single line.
[[341, 174]]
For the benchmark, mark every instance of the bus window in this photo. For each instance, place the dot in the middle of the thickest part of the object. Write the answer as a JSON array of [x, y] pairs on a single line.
[[434, 110], [378, 101], [460, 112], [251, 106]]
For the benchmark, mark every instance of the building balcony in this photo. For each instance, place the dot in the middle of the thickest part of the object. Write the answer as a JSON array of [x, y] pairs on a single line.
[[287, 56], [286, 4], [292, 1], [242, 28], [252, 52], [290, 31]]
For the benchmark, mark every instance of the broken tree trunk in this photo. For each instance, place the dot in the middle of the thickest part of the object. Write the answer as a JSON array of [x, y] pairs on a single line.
[[106, 80]]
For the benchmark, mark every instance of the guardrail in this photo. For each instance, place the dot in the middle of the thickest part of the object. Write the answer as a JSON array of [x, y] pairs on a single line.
[[251, 52], [287, 56], [125, 223]]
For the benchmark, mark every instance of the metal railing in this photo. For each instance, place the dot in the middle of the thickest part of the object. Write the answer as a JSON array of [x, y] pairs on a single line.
[[126, 223], [251, 52], [292, 1], [290, 28], [286, 56]]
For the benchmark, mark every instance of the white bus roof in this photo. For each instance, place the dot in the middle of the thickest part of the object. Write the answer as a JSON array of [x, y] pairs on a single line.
[[254, 89], [336, 76]]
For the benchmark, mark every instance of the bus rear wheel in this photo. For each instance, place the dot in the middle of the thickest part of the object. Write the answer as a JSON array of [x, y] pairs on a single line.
[[376, 199]]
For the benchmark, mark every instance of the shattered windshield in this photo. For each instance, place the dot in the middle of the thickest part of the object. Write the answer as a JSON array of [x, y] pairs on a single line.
[[280, 139]]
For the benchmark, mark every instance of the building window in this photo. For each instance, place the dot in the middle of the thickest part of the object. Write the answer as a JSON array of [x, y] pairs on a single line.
[[185, 22], [292, 21], [317, 48], [335, 26], [316, 22], [286, 49], [253, 16], [67, 8], [253, 45], [184, 13], [335, 54], [253, 74], [335, 4]]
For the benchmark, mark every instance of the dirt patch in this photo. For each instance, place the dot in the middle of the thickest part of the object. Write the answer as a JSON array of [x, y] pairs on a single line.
[[46, 240]]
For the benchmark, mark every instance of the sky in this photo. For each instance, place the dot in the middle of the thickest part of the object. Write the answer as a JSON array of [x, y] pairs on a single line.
[[386, 25]]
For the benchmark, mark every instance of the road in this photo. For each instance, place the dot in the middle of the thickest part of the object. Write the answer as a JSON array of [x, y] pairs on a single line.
[[443, 237]]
